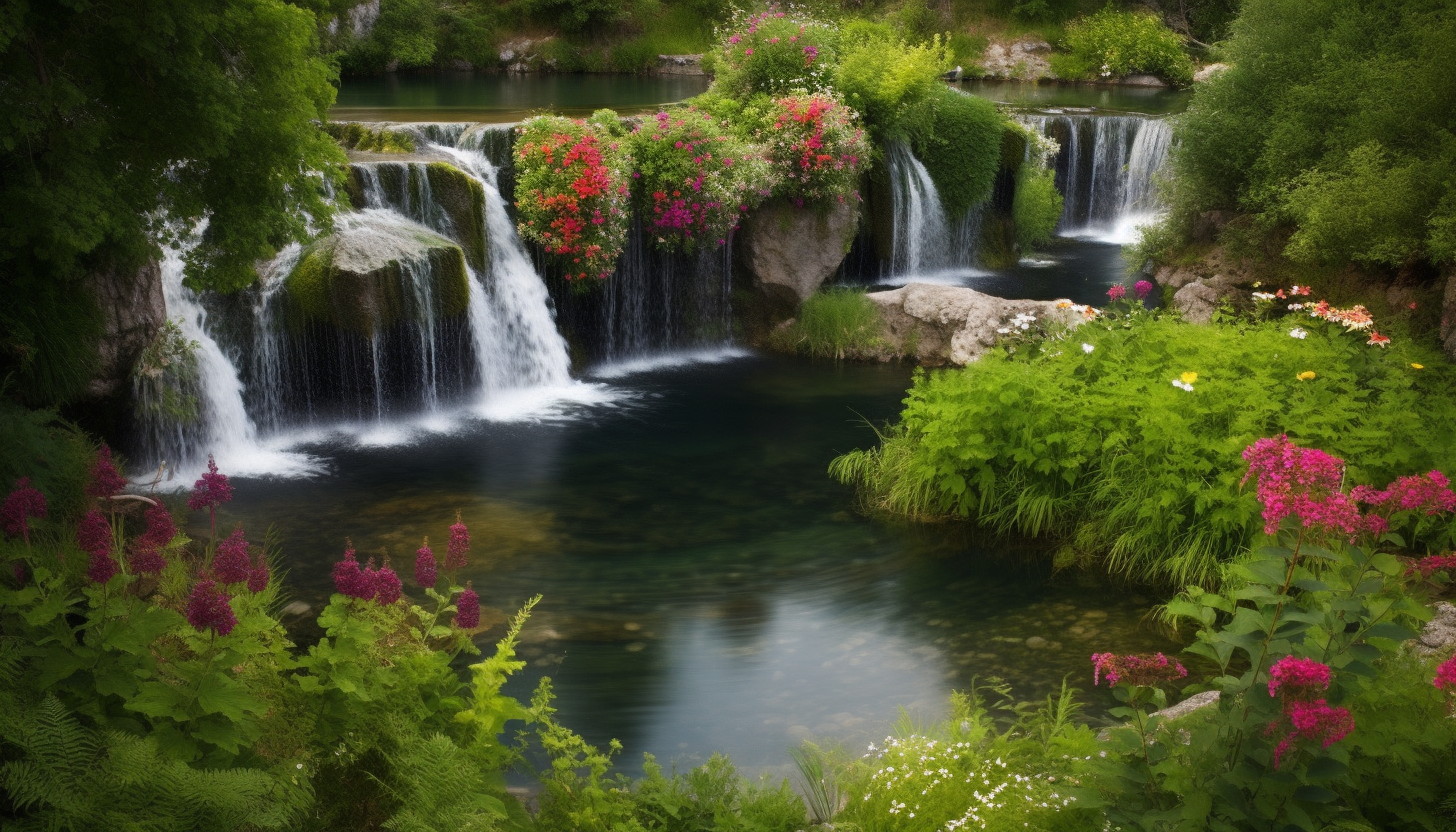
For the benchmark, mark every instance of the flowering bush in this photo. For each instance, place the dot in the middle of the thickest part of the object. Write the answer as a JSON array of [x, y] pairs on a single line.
[[815, 148], [773, 52], [694, 179], [571, 192]]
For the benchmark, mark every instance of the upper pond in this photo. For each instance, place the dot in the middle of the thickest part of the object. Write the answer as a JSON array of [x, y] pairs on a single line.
[[707, 587]]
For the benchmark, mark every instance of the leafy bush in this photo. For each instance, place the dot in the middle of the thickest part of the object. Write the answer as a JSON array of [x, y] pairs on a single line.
[[772, 53], [1092, 447], [815, 149], [1113, 43], [1037, 205], [404, 35], [962, 148], [834, 323], [889, 81], [571, 192], [693, 179]]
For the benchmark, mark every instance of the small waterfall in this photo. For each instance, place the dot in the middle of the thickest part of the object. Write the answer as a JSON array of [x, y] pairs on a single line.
[[1105, 171], [924, 240]]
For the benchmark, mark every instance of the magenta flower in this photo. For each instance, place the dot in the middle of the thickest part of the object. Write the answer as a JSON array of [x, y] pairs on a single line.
[[1301, 482], [20, 505], [231, 564], [467, 609], [1446, 676], [147, 561], [259, 576], [1299, 679], [1431, 564], [160, 529], [102, 568], [1142, 289], [1139, 670], [1430, 494], [209, 608], [425, 566], [459, 548], [347, 577], [106, 481], [387, 587], [1116, 292], [368, 586], [93, 535], [1311, 721], [212, 490]]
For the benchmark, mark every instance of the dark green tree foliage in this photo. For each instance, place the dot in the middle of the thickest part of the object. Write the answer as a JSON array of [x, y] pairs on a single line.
[[962, 149], [1334, 125], [120, 114]]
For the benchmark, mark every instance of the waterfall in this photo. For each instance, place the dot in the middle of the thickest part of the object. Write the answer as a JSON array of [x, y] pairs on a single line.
[[1105, 171], [924, 240]]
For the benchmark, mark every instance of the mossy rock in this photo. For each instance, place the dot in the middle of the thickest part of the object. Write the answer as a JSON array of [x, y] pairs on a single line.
[[463, 200], [356, 136], [362, 278], [998, 241], [1013, 149]]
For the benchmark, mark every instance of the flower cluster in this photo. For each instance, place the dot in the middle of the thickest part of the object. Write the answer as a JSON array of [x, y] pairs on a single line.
[[1354, 319], [694, 180], [380, 585], [1087, 312], [1301, 482], [1185, 381], [1116, 292], [210, 608], [211, 490], [467, 609], [146, 548], [1142, 289], [1306, 716], [1300, 679], [231, 564], [571, 193], [1425, 493], [1446, 676], [772, 52], [21, 504], [815, 149], [106, 481], [1431, 564], [458, 552], [425, 567], [93, 535], [1138, 670]]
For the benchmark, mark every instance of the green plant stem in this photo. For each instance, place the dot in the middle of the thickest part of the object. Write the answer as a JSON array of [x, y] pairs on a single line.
[[1264, 647]]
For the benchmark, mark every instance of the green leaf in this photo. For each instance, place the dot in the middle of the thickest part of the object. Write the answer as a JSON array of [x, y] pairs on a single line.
[[220, 694], [1326, 768], [158, 700], [1390, 630], [1314, 794]]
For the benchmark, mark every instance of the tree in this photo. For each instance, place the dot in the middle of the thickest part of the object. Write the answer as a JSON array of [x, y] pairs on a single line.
[[126, 122]]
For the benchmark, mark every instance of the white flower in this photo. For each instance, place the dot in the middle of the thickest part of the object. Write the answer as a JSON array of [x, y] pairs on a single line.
[[1263, 296], [1298, 332], [1004, 331], [1295, 307], [1088, 348], [1182, 385]]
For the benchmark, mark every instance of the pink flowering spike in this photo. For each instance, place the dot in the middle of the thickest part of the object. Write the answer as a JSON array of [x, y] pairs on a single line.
[[387, 587], [368, 582], [259, 576], [1138, 670], [20, 505], [425, 566], [347, 576], [467, 609], [106, 481], [1431, 564], [1301, 482], [1142, 289], [93, 535], [1116, 292], [457, 554], [212, 490], [1299, 679], [102, 569], [209, 608], [147, 561], [160, 529], [1446, 676], [231, 564]]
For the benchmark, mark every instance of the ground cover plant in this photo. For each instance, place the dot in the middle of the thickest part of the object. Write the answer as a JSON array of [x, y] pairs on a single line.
[[1113, 43], [834, 323], [1119, 441]]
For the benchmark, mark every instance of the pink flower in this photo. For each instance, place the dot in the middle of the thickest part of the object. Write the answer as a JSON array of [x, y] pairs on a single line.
[[1431, 564], [1311, 721], [1428, 493], [20, 505], [1302, 482], [1446, 676], [467, 609], [231, 564], [102, 568], [106, 481], [456, 554], [147, 561], [260, 575], [212, 490], [1139, 670], [1142, 289], [347, 577], [387, 587], [1116, 292], [1300, 679], [209, 608], [160, 529], [425, 566], [93, 535]]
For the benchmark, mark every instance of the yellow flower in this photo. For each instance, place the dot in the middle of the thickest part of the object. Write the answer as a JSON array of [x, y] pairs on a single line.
[[1189, 378], [1419, 366], [1306, 375]]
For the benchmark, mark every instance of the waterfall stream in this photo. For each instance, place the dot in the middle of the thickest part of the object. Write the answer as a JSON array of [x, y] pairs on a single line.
[[925, 242]]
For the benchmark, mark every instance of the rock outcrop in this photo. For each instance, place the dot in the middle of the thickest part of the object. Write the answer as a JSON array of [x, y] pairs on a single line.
[[458, 196], [1200, 288], [939, 325], [1448, 315], [1021, 60], [680, 65], [790, 251], [1207, 72], [133, 310], [376, 270]]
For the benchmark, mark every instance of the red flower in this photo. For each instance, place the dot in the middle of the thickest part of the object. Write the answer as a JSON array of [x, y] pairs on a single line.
[[425, 574], [259, 576], [212, 490], [93, 535], [467, 609], [457, 554], [1139, 670], [20, 505], [106, 481], [231, 564], [209, 608]]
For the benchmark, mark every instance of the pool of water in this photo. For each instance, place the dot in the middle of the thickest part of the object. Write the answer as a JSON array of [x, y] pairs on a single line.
[[1056, 95], [498, 98], [707, 587]]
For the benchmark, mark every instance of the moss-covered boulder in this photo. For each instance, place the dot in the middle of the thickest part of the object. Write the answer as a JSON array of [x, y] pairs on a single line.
[[376, 270], [462, 199], [435, 193]]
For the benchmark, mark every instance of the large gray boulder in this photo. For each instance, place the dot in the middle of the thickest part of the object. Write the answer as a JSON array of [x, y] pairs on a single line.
[[1201, 287], [939, 325], [132, 311], [374, 270], [791, 251]]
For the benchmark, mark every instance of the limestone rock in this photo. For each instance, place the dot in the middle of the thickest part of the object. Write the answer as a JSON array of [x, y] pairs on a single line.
[[1024, 59], [133, 311], [791, 251], [680, 65], [1143, 81], [376, 269], [1208, 72], [459, 197], [1203, 286], [1438, 637], [941, 325]]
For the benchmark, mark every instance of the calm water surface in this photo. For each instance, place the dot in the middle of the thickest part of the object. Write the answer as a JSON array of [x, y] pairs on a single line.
[[707, 587], [1054, 95], [499, 98]]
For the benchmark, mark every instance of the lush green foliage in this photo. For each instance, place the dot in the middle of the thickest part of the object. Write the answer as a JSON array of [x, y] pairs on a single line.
[[962, 148], [356, 136], [889, 81], [1113, 43], [1100, 453], [1316, 696], [815, 148], [122, 117], [693, 178], [772, 53], [1332, 128], [572, 192], [834, 323], [1037, 206]]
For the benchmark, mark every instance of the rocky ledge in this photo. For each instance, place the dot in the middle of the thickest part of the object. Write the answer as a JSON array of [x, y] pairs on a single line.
[[940, 325]]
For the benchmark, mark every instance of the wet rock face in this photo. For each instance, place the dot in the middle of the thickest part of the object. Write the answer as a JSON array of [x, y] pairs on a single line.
[[455, 203], [940, 325], [791, 251], [133, 311], [372, 272]]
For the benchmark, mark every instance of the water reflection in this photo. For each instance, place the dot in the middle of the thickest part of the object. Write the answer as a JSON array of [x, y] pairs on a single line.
[[500, 98]]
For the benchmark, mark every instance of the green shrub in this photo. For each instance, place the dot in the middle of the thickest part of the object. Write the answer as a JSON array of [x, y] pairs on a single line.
[[773, 53], [834, 323], [962, 148], [404, 35], [889, 81], [1112, 43], [1097, 451], [815, 149], [1037, 205]]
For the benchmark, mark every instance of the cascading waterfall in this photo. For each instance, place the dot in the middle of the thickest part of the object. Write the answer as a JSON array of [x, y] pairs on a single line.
[[925, 241], [1105, 171]]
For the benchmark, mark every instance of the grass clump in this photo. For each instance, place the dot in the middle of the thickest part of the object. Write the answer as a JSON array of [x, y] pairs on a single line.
[[835, 323], [1089, 445]]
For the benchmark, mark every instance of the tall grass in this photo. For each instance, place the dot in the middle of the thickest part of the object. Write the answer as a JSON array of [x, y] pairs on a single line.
[[834, 323]]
